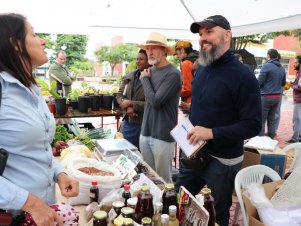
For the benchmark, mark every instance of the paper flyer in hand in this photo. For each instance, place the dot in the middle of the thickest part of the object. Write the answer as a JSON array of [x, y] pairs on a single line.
[[179, 133]]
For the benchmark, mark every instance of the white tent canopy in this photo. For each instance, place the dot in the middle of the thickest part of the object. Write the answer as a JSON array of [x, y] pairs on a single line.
[[139, 17]]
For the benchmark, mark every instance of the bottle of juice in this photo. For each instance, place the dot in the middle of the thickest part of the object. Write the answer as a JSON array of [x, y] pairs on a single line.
[[144, 206], [157, 215], [169, 197], [173, 221], [209, 205]]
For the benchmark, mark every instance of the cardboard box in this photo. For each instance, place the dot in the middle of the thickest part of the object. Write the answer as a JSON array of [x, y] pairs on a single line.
[[275, 160], [270, 189]]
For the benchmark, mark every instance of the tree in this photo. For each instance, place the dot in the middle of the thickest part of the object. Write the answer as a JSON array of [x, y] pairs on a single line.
[[116, 54], [74, 45]]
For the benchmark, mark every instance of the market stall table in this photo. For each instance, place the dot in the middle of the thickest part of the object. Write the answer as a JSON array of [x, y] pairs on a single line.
[[101, 113]]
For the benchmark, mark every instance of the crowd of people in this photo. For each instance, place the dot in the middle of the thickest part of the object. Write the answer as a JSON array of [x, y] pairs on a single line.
[[224, 101]]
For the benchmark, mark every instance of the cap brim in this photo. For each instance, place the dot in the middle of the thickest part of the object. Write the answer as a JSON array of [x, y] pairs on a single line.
[[195, 27]]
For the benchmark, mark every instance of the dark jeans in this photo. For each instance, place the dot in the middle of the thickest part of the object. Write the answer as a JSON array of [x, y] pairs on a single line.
[[131, 132], [219, 178], [270, 115]]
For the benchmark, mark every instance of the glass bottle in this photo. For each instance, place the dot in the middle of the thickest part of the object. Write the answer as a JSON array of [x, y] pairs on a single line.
[[146, 221], [164, 220], [157, 215], [169, 197], [173, 221], [100, 218], [94, 192], [209, 205], [117, 206], [144, 206], [126, 194]]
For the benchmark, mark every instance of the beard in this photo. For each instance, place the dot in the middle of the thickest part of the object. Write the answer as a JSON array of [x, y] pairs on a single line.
[[208, 57], [156, 60]]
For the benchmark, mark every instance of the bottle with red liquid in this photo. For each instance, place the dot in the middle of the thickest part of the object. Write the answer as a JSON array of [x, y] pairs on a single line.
[[209, 205], [144, 206], [126, 194], [169, 197]]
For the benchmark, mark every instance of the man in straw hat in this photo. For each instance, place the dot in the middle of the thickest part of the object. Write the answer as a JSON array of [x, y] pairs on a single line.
[[225, 110], [162, 86]]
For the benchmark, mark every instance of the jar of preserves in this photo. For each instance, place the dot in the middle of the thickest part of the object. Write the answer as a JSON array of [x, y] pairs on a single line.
[[100, 218], [117, 206], [132, 202], [94, 192], [128, 212], [146, 221], [118, 221]]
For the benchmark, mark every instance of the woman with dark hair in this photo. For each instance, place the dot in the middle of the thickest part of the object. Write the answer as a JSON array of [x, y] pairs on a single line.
[[130, 98], [27, 127]]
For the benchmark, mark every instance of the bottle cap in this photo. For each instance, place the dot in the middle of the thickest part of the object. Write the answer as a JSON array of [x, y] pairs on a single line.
[[126, 187], [206, 191], [128, 221], [164, 218], [172, 209], [94, 183], [169, 186], [99, 214], [118, 221], [127, 210], [144, 187], [132, 201], [159, 205], [118, 204], [146, 220]]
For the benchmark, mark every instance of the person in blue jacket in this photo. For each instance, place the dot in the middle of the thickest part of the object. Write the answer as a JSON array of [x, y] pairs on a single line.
[[27, 128], [271, 79], [225, 110]]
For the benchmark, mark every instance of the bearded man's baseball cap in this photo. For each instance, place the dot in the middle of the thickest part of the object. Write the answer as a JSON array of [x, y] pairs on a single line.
[[210, 22]]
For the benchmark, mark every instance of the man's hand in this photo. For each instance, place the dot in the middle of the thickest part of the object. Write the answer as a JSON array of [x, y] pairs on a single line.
[[41, 213], [125, 104], [67, 185], [145, 73], [185, 107], [199, 133], [130, 112]]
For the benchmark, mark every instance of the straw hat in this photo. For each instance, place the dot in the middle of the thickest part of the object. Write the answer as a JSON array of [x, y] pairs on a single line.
[[158, 39]]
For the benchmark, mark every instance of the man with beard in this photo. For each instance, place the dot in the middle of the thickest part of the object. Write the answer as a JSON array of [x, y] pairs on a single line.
[[162, 86], [296, 86], [225, 110]]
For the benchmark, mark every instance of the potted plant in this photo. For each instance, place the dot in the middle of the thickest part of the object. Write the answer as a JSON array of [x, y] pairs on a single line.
[[60, 102], [73, 97]]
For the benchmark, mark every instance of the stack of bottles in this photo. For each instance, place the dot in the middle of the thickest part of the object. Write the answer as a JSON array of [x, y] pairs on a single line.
[[142, 211]]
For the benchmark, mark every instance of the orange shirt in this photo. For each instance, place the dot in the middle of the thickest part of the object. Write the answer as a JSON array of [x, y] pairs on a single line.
[[187, 76]]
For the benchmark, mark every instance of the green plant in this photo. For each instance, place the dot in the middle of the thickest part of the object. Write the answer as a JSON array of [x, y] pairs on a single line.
[[74, 94], [51, 89]]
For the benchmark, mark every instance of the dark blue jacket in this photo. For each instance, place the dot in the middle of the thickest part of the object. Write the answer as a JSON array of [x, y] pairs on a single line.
[[226, 98], [271, 77]]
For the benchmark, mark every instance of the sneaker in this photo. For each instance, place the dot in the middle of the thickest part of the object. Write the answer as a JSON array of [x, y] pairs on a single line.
[[291, 141]]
